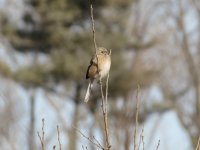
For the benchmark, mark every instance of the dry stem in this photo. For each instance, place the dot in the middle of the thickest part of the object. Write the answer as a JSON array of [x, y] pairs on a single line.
[[93, 29], [136, 119], [104, 100], [58, 131], [42, 138], [141, 139], [104, 110], [198, 144], [96, 140], [93, 34], [89, 139]]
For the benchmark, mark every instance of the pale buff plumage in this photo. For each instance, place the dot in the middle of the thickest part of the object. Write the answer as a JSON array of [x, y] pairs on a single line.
[[99, 68]]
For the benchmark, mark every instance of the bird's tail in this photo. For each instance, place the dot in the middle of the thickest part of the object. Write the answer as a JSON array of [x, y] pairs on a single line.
[[87, 95]]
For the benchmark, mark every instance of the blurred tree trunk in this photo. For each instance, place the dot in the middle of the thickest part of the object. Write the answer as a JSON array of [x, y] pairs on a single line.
[[127, 140], [189, 59], [31, 135], [73, 132], [197, 6], [193, 71]]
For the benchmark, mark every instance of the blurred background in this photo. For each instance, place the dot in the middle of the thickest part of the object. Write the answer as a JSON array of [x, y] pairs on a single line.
[[46, 46]]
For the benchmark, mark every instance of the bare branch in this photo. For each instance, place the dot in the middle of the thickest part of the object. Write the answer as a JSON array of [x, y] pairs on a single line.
[[89, 139], [104, 99], [43, 134], [96, 141], [136, 119], [104, 110], [93, 29]]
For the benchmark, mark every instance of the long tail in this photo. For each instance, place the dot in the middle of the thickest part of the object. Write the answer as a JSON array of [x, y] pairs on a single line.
[[87, 95]]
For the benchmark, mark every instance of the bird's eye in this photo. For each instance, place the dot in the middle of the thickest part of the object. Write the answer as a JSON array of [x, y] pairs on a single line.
[[102, 52]]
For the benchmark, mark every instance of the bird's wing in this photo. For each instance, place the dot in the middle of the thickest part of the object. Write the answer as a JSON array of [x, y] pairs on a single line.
[[91, 71]]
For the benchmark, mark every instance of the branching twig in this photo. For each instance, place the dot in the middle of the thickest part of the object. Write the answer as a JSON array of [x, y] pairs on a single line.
[[43, 134], [104, 99], [96, 141], [141, 139], [89, 139], [58, 132]]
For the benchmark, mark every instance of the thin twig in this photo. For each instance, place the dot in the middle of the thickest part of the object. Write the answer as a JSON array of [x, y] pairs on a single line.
[[141, 139], [198, 144], [43, 134], [96, 141], [158, 145], [106, 113], [136, 119], [102, 95], [93, 29], [104, 100], [106, 94], [40, 140], [89, 139], [104, 110], [93, 34], [58, 132]]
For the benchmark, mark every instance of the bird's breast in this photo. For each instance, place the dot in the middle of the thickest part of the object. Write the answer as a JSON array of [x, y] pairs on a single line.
[[104, 67]]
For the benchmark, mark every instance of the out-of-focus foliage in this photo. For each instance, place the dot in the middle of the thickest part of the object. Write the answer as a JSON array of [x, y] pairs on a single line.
[[68, 65], [5, 69], [35, 75], [49, 25], [60, 29]]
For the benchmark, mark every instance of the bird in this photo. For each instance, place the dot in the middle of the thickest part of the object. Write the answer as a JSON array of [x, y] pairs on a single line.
[[98, 69]]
